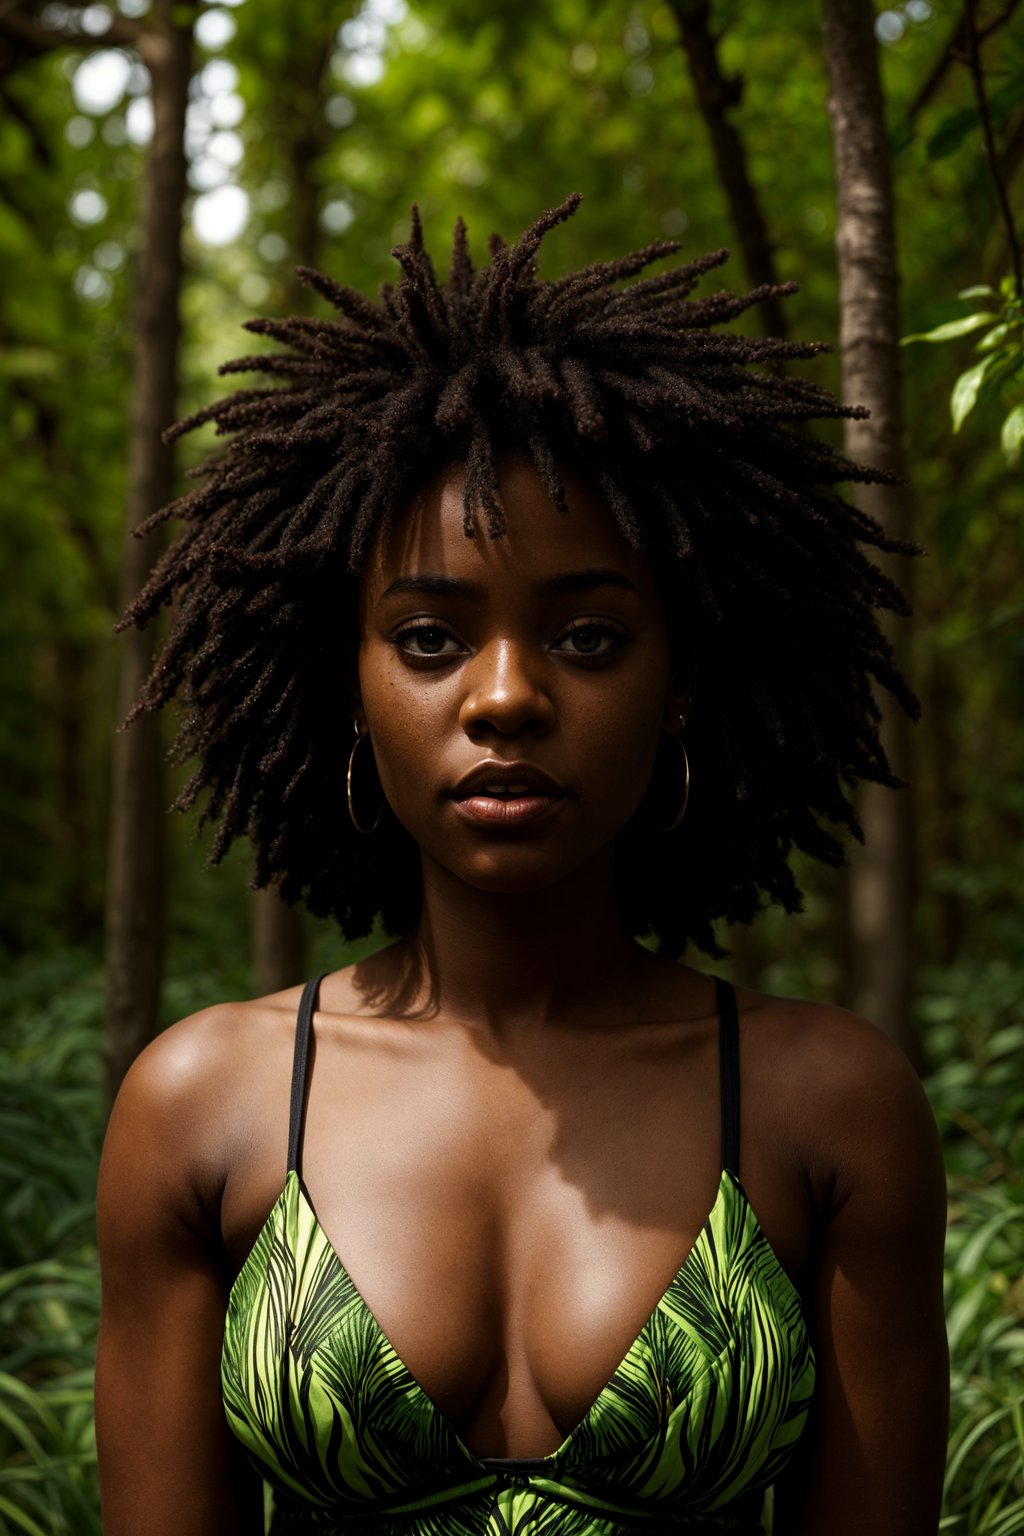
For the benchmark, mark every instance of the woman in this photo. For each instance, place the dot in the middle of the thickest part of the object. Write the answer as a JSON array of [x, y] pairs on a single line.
[[525, 616]]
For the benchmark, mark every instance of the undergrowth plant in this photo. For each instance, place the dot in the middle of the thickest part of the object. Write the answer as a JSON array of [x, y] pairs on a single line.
[[49, 1283], [975, 1037]]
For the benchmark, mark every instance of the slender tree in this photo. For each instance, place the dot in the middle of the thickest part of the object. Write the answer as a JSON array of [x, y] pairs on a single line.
[[882, 877], [717, 96], [135, 877], [300, 136], [135, 873]]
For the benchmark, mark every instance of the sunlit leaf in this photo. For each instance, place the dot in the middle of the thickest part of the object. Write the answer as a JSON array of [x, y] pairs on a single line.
[[996, 336], [951, 328], [967, 389], [1012, 436]]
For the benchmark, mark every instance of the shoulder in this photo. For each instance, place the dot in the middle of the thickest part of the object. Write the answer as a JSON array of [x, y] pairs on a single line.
[[855, 1105], [202, 1053], [837, 1055], [842, 1053], [182, 1110], [216, 1060]]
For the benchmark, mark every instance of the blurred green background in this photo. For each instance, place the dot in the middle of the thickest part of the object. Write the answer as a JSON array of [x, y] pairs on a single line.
[[310, 129]]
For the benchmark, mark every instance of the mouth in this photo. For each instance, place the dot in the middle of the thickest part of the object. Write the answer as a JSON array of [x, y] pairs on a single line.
[[504, 791], [497, 794], [506, 781]]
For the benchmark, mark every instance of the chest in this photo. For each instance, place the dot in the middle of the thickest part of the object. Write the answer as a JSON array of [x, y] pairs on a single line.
[[511, 1227], [702, 1409]]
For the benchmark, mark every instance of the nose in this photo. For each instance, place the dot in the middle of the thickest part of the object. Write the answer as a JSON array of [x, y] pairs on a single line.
[[505, 692]]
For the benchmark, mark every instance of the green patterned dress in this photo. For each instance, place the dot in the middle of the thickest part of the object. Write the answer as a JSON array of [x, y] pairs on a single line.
[[700, 1416]]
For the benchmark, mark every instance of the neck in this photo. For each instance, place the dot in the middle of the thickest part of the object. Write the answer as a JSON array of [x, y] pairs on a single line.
[[519, 961]]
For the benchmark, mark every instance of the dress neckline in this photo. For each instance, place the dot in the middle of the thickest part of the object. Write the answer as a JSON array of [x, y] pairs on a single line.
[[729, 1187]]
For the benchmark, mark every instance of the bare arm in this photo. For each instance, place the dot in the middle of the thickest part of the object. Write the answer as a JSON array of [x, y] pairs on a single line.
[[872, 1459], [167, 1463]]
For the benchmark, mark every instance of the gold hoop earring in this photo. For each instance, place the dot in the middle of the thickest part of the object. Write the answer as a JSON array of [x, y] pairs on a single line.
[[677, 820], [365, 831]]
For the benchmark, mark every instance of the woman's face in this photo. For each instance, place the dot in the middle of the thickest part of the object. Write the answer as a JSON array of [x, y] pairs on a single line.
[[514, 689]]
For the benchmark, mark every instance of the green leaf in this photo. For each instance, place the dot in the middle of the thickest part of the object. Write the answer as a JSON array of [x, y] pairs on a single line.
[[951, 132], [967, 389], [978, 291], [951, 328], [996, 336], [23, 1521], [973, 1250], [1012, 436]]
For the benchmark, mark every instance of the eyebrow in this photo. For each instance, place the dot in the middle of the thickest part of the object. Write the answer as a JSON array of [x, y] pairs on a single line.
[[437, 585]]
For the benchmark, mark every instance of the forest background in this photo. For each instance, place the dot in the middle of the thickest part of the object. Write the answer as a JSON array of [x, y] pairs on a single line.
[[306, 132]]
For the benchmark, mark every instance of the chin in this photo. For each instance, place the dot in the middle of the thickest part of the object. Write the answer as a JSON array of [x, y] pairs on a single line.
[[511, 872]]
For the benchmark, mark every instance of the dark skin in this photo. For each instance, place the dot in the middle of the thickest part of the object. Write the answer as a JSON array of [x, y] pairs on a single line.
[[512, 1135]]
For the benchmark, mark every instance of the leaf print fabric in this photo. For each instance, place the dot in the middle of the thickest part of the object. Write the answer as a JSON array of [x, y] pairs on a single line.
[[699, 1418]]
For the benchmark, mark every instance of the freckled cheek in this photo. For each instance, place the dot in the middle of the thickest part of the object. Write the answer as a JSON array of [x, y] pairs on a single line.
[[409, 719]]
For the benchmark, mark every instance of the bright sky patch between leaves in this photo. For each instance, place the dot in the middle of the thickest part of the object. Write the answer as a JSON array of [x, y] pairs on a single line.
[[221, 208]]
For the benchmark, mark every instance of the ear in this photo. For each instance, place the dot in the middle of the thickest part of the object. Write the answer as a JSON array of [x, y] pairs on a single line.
[[356, 712], [678, 707]]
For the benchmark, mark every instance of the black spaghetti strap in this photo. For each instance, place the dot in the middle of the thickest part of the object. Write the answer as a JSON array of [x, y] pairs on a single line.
[[300, 1065], [729, 1070]]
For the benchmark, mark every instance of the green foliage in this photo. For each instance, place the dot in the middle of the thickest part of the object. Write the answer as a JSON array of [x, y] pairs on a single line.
[[49, 1290], [1001, 371], [975, 1035]]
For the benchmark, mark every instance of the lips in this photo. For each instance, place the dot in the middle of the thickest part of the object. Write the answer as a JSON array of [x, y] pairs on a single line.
[[500, 796], [507, 781]]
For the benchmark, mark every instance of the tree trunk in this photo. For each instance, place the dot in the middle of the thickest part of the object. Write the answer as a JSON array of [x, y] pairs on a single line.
[[716, 96], [278, 942], [279, 945], [135, 878], [882, 879]]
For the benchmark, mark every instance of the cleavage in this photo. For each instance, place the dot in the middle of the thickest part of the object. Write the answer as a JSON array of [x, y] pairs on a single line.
[[511, 1331]]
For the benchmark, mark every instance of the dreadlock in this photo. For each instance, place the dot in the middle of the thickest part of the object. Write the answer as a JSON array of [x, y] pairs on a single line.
[[703, 463]]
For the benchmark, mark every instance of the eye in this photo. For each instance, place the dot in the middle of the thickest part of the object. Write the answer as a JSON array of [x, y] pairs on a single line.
[[592, 640], [427, 642]]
